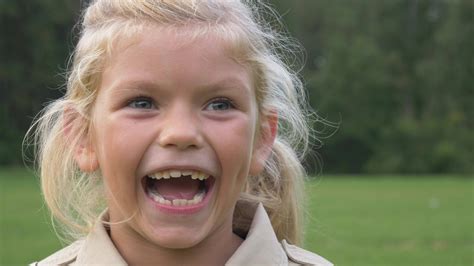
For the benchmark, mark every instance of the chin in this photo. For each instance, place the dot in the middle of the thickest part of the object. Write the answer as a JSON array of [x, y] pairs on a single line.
[[178, 239]]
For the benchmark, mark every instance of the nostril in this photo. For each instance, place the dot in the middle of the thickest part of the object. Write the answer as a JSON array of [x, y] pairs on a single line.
[[180, 146], [180, 140]]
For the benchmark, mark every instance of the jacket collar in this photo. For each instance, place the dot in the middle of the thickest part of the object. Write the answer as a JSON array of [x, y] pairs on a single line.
[[261, 246], [98, 248]]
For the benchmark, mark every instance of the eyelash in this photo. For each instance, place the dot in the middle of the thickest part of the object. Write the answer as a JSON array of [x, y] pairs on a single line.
[[230, 104], [141, 99]]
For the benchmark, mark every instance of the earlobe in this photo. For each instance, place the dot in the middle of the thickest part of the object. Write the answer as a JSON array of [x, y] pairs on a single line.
[[86, 158], [263, 147]]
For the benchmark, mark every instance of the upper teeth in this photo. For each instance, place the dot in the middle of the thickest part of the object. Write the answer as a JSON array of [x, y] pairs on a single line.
[[179, 173]]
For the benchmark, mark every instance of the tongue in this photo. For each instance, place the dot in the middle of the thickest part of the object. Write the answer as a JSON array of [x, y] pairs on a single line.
[[177, 188]]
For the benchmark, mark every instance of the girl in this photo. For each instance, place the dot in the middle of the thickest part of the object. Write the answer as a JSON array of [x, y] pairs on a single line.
[[176, 142]]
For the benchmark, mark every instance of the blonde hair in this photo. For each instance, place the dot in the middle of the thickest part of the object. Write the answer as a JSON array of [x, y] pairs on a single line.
[[76, 198]]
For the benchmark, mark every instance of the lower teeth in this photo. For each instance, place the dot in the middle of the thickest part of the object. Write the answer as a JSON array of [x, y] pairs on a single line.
[[178, 202]]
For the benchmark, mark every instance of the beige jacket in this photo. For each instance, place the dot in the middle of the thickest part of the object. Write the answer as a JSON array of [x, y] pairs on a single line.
[[260, 247]]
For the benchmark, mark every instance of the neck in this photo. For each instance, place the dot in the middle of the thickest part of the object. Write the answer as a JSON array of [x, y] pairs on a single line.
[[215, 250]]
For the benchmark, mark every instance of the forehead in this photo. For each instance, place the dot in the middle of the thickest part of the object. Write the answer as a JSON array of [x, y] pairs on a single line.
[[159, 53]]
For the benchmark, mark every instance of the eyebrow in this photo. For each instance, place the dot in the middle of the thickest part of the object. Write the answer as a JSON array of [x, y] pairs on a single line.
[[134, 85], [228, 84]]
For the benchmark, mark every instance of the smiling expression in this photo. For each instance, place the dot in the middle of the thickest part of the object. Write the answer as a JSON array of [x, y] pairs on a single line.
[[174, 111]]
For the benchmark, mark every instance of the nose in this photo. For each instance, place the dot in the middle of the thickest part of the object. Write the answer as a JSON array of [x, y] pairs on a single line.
[[180, 129]]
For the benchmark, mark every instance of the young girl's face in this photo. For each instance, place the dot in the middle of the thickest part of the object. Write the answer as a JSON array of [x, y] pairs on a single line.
[[170, 106]]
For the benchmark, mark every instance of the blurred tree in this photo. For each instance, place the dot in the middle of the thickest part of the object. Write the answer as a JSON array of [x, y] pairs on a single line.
[[36, 38], [398, 77]]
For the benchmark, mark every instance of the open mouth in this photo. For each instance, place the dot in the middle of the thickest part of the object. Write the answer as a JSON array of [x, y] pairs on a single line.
[[178, 188]]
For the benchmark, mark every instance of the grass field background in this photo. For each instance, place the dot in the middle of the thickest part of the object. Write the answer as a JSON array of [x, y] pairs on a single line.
[[353, 220]]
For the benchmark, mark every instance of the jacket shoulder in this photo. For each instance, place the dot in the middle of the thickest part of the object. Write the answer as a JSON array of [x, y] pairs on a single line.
[[64, 256], [301, 256]]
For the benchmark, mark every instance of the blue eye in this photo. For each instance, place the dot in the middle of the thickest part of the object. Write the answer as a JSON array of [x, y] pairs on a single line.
[[220, 105], [141, 103]]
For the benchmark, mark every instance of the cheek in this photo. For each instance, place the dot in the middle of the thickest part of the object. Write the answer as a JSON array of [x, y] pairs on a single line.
[[120, 146], [234, 144]]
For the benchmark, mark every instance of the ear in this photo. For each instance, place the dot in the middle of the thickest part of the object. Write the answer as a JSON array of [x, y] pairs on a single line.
[[84, 152], [86, 157], [265, 139]]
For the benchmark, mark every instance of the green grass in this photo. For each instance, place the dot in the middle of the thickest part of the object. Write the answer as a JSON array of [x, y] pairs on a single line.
[[392, 220], [355, 220], [25, 233]]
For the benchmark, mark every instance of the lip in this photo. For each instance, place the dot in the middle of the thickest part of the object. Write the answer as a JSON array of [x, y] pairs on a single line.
[[181, 210]]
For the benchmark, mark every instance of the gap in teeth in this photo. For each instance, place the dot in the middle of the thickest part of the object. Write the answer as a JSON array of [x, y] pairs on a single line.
[[179, 173]]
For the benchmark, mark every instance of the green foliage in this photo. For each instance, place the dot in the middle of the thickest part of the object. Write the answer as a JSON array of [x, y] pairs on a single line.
[[398, 77], [36, 38], [423, 146]]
